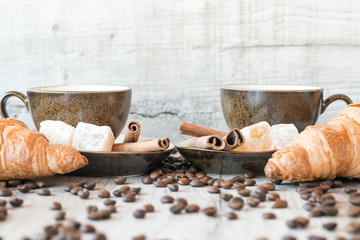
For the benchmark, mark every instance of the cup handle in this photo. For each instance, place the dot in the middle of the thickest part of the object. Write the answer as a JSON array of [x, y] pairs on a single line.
[[333, 98], [3, 100]]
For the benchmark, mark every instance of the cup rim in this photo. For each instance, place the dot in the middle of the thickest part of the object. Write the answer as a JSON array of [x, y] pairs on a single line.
[[271, 88], [79, 89]]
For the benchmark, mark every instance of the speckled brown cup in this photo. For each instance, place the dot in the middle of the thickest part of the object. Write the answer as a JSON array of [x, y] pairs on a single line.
[[244, 105], [96, 104]]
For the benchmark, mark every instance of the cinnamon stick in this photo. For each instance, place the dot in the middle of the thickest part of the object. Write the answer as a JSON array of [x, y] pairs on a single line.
[[146, 146], [205, 142], [132, 133]]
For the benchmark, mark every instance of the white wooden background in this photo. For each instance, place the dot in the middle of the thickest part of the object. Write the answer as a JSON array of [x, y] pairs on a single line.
[[176, 54]]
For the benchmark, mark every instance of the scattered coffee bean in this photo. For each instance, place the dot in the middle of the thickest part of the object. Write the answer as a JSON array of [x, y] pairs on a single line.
[[236, 203], [260, 196], [250, 174], [99, 236], [83, 194], [272, 196], [299, 222], [173, 187], [155, 174], [160, 183], [250, 182], [109, 202], [238, 179], [305, 195], [3, 184], [280, 203], [328, 210], [139, 237], [200, 175], [213, 189], [91, 209], [105, 214], [330, 226], [43, 192], [136, 190], [350, 189], [226, 196], [16, 202], [244, 192], [129, 197], [111, 208], [354, 198], [239, 185], [103, 193], [337, 184], [261, 189], [95, 215], [40, 184], [192, 208], [75, 190], [60, 215], [354, 211], [353, 227], [167, 199], [168, 180], [23, 188], [5, 192], [231, 215], [210, 182], [315, 237], [269, 215], [147, 180], [226, 184], [177, 208], [149, 208], [217, 182], [269, 186], [3, 202], [87, 228], [81, 183], [289, 237], [253, 202], [74, 224], [276, 181], [196, 183], [316, 212], [184, 181], [14, 183], [120, 180], [180, 201], [121, 191], [69, 187], [324, 188], [89, 186], [210, 211], [55, 206]]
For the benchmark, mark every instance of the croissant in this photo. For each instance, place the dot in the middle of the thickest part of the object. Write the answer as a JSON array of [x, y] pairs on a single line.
[[27, 154], [321, 151]]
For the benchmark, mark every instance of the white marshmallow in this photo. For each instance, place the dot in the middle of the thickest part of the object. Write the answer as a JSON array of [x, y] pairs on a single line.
[[57, 132], [284, 135], [258, 137]]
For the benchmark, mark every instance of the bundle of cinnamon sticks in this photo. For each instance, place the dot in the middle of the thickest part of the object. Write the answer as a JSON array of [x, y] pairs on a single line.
[[131, 141], [208, 138]]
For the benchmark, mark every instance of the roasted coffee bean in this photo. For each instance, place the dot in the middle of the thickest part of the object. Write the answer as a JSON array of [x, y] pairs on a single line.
[[213, 189], [305, 195], [95, 215], [55, 206], [129, 197], [276, 181], [250, 174], [23, 188], [167, 199], [111, 208], [75, 190], [217, 182], [324, 188], [327, 182], [337, 184], [84, 194], [81, 183], [353, 227], [3, 184], [316, 212], [231, 215], [5, 192], [139, 237], [354, 211], [3, 203], [91, 209], [261, 189], [210, 182], [87, 228], [327, 200], [253, 202], [314, 199], [14, 183], [244, 192], [330, 226], [177, 208], [350, 189], [260, 196], [155, 174], [160, 183], [74, 224], [136, 190], [103, 193], [269, 215], [299, 222], [180, 201], [226, 196], [316, 192], [60, 215], [173, 187], [3, 210], [310, 184], [40, 184], [184, 181], [99, 236], [16, 202], [236, 203], [2, 217], [120, 180], [250, 182], [226, 184], [196, 183], [90, 186], [168, 180], [43, 192], [315, 237], [328, 210], [149, 208], [109, 202], [200, 175], [239, 185], [210, 211], [147, 180], [192, 208], [280, 203], [301, 188], [238, 179], [272, 196], [69, 187], [105, 213], [139, 213], [269, 186], [289, 237], [354, 198]]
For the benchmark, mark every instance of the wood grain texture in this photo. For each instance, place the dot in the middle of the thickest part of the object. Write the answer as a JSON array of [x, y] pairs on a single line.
[[162, 224], [176, 54]]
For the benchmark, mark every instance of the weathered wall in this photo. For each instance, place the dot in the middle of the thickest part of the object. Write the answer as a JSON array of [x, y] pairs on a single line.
[[176, 54]]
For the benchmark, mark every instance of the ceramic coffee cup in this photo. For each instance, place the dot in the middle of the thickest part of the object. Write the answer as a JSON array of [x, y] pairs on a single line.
[[244, 105], [96, 104]]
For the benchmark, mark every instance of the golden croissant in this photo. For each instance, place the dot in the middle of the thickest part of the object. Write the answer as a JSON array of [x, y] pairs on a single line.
[[321, 151], [27, 154]]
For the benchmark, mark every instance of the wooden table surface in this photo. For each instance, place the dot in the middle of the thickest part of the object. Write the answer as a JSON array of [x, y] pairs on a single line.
[[30, 219]]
